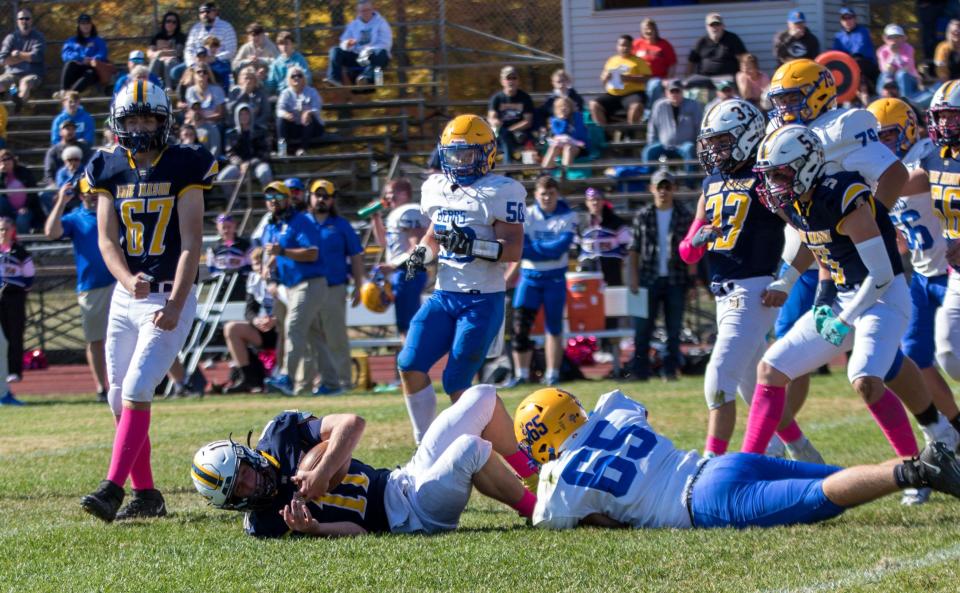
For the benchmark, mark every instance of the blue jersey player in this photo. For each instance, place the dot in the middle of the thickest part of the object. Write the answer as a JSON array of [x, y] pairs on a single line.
[[427, 495], [150, 223]]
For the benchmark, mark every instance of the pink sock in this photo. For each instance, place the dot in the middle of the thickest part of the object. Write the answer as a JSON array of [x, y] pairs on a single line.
[[141, 474], [765, 413], [521, 464], [893, 421], [131, 434], [526, 504], [715, 445], [791, 433]]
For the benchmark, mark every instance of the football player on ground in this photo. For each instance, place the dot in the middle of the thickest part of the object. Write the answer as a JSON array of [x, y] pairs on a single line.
[[743, 241], [150, 223], [613, 469], [853, 238], [427, 495]]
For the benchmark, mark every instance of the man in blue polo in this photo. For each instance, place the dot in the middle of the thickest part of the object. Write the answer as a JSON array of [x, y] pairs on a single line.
[[94, 281]]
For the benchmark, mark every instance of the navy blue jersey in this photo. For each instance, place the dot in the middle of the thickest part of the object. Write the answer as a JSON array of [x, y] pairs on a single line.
[[146, 201], [943, 170], [358, 499], [751, 239], [235, 257], [820, 225]]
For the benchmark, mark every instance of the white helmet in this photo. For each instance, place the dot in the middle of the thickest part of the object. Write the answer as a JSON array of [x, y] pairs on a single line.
[[141, 97], [729, 135], [947, 98], [216, 470], [789, 162]]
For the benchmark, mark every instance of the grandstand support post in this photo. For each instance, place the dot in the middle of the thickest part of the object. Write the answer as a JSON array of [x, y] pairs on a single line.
[[442, 34]]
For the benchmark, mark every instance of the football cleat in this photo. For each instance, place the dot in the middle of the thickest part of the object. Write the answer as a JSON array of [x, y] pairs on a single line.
[[803, 450], [941, 431], [776, 448], [939, 469], [145, 504], [281, 384], [104, 502], [915, 496]]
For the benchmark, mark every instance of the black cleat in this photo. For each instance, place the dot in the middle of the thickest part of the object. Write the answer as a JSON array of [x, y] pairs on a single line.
[[104, 501], [145, 504], [939, 469]]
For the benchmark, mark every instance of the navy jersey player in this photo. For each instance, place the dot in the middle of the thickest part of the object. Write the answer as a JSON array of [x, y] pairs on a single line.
[[150, 222], [613, 469], [427, 495], [742, 241], [231, 254]]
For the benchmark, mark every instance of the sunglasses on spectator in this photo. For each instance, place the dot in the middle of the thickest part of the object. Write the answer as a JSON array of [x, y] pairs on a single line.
[[23, 18], [716, 24], [6, 158], [170, 22], [322, 195], [847, 17], [271, 196], [511, 77], [296, 76]]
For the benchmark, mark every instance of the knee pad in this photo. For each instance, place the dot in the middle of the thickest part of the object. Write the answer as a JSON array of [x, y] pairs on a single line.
[[950, 363], [115, 400], [522, 322], [471, 451]]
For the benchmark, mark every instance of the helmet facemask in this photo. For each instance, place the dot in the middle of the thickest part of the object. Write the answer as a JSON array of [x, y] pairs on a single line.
[[140, 140], [265, 488], [780, 185], [719, 152], [895, 138], [463, 163], [793, 105], [944, 133]]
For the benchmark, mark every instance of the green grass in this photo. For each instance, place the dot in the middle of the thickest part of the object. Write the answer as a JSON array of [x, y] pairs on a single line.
[[53, 453]]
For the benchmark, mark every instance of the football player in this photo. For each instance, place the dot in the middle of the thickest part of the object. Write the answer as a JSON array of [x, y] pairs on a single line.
[[150, 223], [231, 254], [743, 241], [852, 237], [613, 469], [427, 495]]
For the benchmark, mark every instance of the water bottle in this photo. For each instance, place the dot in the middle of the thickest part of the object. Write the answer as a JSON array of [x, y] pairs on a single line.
[[378, 76], [282, 147]]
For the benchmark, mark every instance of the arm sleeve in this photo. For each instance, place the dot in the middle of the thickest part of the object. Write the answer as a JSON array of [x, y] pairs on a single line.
[[688, 253], [874, 254]]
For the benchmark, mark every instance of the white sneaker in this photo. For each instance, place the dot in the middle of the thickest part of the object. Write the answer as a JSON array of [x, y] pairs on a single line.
[[943, 432], [914, 496], [803, 450], [775, 448], [14, 378]]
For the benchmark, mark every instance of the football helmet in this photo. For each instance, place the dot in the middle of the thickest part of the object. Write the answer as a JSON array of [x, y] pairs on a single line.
[[894, 114], [945, 100], [544, 420], [216, 471], [801, 91], [729, 135], [377, 294], [141, 98], [789, 162], [467, 149]]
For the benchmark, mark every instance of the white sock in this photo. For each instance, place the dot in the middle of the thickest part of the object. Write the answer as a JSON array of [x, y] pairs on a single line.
[[523, 373], [422, 407], [552, 375]]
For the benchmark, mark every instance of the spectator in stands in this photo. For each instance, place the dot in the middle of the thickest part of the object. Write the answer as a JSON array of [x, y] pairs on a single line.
[[673, 126], [291, 244], [288, 58], [109, 138], [219, 66], [136, 59], [510, 114], [258, 331], [22, 55], [895, 59], [603, 241], [247, 146], [74, 111], [210, 24], [94, 281], [624, 76], [339, 243], [259, 52], [726, 89], [752, 84], [298, 197], [210, 96], [929, 13], [656, 266], [566, 136], [166, 49], [53, 159], [364, 46], [854, 39], [207, 134], [82, 55], [188, 135], [797, 41], [716, 53], [230, 255], [16, 278], [560, 81], [946, 57], [20, 206], [72, 161], [298, 112], [659, 54], [250, 92]]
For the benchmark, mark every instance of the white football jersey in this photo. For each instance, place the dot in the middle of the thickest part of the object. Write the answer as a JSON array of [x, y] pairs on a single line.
[[475, 208], [915, 218], [541, 227], [400, 225], [616, 465]]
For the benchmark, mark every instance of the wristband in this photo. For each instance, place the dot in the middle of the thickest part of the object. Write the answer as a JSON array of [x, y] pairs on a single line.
[[488, 250]]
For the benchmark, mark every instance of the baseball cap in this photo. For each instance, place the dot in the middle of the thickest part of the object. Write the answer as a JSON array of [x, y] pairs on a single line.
[[201, 51], [208, 6], [322, 184], [71, 152], [796, 17], [593, 193], [275, 190], [84, 18], [137, 56], [507, 71], [893, 30], [844, 11], [714, 17], [224, 218], [294, 183], [675, 83], [660, 176]]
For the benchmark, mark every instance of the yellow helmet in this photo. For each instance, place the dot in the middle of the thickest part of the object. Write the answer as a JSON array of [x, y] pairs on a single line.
[[801, 91], [894, 114], [376, 296], [467, 149], [545, 419]]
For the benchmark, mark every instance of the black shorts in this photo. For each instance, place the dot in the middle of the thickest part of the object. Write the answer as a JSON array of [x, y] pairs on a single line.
[[268, 340], [611, 104]]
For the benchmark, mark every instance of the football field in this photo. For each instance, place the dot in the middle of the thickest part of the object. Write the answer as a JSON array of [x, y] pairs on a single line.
[[58, 448]]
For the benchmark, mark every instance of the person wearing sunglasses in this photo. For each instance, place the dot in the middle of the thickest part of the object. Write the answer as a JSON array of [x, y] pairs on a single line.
[[259, 51], [716, 53], [22, 55], [210, 24], [298, 112], [166, 48]]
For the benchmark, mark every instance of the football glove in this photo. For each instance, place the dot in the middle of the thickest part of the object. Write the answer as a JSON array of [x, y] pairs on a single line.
[[415, 263], [455, 240], [822, 314], [834, 331], [704, 235]]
